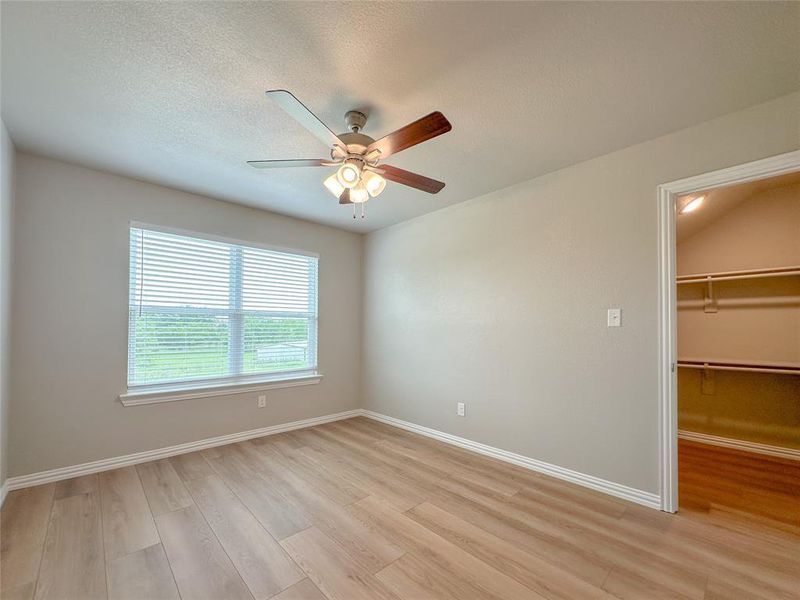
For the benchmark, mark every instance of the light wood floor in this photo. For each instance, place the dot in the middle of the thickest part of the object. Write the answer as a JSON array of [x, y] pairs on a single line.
[[359, 510], [711, 478]]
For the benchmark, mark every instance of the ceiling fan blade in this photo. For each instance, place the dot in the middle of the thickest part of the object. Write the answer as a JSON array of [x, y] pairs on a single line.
[[305, 117], [420, 182], [345, 197], [296, 162], [412, 134]]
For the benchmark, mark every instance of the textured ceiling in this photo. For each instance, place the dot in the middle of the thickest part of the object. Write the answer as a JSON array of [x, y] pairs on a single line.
[[172, 92]]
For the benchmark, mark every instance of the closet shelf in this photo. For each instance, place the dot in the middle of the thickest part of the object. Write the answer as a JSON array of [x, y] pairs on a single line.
[[752, 367], [734, 275]]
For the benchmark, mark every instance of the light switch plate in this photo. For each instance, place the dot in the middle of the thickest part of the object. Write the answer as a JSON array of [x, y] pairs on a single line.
[[614, 317]]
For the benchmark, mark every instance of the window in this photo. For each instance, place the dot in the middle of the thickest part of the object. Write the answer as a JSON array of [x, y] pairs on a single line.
[[203, 311]]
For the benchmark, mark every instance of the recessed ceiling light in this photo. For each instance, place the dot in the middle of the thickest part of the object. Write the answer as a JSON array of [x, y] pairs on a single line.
[[692, 205]]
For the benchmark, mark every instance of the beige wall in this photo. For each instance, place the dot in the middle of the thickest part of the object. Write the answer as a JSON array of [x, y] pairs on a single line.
[[763, 231], [501, 302], [70, 318], [7, 155], [754, 407], [757, 320]]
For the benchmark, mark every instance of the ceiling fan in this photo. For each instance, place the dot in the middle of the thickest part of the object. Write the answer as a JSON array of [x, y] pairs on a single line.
[[357, 156]]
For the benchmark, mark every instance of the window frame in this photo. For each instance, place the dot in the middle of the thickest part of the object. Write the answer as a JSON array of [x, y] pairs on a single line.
[[226, 385]]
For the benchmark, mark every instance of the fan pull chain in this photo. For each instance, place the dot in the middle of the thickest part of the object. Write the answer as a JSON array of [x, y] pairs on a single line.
[[363, 209]]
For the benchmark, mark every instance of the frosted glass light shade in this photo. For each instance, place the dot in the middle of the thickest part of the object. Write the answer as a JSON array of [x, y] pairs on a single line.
[[349, 174], [374, 183], [333, 185], [359, 194]]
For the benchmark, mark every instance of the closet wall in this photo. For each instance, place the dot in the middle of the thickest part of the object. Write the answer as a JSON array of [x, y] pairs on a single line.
[[756, 320]]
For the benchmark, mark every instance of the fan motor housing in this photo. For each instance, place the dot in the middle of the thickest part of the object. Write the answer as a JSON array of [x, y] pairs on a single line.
[[355, 120], [356, 142]]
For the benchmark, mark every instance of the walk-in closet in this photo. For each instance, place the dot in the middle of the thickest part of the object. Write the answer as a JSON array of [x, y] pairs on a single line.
[[738, 292]]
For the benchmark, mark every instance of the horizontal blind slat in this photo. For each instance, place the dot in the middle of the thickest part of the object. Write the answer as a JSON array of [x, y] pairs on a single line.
[[210, 310]]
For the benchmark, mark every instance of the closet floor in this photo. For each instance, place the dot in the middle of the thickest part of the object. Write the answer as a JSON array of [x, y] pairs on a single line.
[[357, 510], [720, 479]]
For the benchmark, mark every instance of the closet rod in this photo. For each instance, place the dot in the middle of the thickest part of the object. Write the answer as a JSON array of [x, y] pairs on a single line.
[[749, 367], [732, 275]]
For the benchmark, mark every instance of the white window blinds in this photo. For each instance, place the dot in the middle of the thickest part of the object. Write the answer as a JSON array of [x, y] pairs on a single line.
[[202, 310]]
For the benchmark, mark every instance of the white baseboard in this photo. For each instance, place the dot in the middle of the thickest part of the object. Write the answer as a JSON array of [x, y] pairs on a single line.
[[618, 490], [23, 481], [609, 487], [714, 440]]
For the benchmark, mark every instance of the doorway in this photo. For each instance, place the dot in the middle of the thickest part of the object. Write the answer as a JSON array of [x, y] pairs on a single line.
[[727, 352]]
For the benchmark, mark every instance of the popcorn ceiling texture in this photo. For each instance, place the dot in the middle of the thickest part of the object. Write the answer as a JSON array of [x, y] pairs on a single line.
[[172, 93]]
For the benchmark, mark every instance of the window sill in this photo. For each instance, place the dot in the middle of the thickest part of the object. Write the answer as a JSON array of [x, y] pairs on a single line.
[[175, 394]]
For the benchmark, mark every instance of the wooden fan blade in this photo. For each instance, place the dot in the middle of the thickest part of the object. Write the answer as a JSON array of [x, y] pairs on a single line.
[[420, 182], [345, 197], [305, 117], [296, 162], [412, 134]]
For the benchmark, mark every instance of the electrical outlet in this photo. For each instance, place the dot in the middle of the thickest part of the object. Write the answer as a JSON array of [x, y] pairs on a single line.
[[461, 409], [262, 401]]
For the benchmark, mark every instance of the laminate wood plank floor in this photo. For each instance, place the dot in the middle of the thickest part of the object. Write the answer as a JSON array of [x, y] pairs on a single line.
[[359, 509], [765, 486]]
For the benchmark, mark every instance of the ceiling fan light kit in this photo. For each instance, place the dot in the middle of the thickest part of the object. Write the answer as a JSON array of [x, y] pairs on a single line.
[[359, 194], [349, 174], [374, 183], [359, 176], [333, 185]]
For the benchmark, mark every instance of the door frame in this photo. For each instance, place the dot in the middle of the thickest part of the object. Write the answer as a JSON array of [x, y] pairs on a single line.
[[668, 194]]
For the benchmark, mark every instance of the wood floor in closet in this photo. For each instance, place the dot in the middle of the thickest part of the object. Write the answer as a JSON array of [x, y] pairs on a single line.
[[763, 486], [360, 510]]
